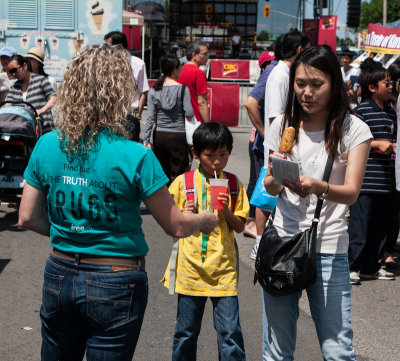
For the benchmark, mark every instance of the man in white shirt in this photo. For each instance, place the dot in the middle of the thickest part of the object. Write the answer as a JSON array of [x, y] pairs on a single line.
[[139, 73], [236, 44], [276, 90]]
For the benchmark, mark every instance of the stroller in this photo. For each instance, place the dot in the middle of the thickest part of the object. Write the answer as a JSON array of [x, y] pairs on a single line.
[[20, 128]]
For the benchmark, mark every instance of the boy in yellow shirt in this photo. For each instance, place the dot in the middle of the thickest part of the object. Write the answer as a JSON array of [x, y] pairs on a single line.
[[206, 265]]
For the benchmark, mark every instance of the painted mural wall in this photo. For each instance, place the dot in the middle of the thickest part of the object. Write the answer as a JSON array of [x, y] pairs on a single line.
[[59, 27]]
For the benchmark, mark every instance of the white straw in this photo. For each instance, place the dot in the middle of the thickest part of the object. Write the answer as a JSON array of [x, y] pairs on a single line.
[[215, 174]]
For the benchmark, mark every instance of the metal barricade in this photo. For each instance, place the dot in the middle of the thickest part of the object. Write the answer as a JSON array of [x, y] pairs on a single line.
[[244, 120]]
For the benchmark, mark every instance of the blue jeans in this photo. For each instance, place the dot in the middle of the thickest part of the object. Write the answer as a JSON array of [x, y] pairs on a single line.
[[226, 323], [329, 299], [93, 309]]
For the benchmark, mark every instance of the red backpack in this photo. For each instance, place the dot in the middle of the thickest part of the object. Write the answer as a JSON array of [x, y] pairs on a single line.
[[189, 184]]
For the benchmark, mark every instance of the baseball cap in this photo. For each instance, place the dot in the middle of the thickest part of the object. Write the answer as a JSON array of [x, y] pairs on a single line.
[[266, 56], [35, 53], [8, 51]]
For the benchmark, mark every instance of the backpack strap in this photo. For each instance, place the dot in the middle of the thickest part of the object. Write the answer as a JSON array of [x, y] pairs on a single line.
[[189, 185], [233, 189]]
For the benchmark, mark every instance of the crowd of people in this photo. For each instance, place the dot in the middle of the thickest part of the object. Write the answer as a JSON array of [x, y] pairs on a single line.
[[95, 284]]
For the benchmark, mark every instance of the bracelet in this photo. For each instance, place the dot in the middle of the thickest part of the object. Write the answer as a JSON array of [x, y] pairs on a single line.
[[324, 194], [327, 189]]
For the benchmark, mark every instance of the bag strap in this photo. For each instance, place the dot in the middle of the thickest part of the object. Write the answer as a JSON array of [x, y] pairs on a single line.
[[327, 174], [317, 213], [182, 96], [233, 189], [189, 185], [189, 182]]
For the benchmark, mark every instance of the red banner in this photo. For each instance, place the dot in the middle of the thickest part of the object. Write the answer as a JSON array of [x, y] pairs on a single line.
[[381, 39], [230, 69], [310, 27], [224, 103], [327, 31]]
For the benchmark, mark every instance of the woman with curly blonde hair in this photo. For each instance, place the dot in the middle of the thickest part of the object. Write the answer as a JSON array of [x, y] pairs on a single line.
[[93, 180]]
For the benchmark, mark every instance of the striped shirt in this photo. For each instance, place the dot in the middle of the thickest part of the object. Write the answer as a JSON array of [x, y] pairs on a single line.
[[39, 92], [382, 123]]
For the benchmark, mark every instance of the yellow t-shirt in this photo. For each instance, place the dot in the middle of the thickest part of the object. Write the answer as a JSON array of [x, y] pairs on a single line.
[[217, 275]]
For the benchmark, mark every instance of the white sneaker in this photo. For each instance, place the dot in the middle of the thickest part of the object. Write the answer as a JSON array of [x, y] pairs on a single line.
[[381, 274], [253, 254], [355, 278]]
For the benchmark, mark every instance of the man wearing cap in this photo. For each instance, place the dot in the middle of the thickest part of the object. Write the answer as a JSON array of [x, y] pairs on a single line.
[[255, 108], [6, 79]]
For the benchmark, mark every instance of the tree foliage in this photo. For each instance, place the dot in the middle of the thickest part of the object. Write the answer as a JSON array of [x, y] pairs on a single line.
[[372, 12]]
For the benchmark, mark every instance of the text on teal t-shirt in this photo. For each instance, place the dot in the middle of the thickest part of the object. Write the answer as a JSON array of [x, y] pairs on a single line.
[[94, 204]]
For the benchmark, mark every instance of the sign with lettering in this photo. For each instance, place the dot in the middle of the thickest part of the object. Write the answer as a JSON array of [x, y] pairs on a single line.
[[381, 39], [230, 69]]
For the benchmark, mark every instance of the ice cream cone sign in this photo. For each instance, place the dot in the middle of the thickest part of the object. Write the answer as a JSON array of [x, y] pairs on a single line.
[[97, 13]]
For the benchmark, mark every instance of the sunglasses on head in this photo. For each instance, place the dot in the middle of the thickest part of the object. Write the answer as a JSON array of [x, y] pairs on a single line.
[[13, 70]]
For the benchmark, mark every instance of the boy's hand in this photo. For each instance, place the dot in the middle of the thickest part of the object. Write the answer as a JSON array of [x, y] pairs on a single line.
[[224, 198], [189, 207]]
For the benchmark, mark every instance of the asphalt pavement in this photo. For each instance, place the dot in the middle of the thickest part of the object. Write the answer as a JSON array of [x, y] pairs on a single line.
[[375, 304]]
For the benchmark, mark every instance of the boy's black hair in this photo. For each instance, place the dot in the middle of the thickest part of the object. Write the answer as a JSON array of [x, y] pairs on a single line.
[[372, 72], [347, 53], [212, 135]]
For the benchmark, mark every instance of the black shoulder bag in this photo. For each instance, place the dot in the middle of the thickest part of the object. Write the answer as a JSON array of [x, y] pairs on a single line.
[[285, 265]]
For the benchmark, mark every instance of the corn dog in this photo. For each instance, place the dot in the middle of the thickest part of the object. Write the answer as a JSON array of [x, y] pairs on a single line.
[[287, 140]]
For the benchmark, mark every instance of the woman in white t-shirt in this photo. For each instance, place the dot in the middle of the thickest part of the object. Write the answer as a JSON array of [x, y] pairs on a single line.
[[318, 109]]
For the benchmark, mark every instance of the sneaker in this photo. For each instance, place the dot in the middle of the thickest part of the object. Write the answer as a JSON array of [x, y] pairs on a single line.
[[253, 254], [381, 274], [355, 278]]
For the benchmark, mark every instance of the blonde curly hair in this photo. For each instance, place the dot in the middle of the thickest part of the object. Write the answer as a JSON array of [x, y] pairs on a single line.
[[97, 93]]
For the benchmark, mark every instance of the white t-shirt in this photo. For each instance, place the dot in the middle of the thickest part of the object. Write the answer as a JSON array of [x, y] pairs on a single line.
[[139, 73], [236, 39], [352, 71], [276, 91], [293, 213]]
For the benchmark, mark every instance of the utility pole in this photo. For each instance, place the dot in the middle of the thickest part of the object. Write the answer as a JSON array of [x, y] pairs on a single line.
[[384, 22]]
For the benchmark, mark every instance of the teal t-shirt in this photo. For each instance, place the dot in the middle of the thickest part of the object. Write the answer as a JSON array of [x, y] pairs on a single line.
[[94, 205]]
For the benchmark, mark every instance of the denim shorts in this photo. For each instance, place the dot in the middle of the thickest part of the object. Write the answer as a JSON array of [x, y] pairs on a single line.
[[91, 308]]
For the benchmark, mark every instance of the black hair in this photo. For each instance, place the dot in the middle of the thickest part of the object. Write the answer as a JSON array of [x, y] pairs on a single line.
[[117, 37], [41, 68], [167, 64], [194, 48], [347, 53], [212, 135], [291, 41], [278, 48], [372, 72], [323, 59], [21, 61], [394, 71]]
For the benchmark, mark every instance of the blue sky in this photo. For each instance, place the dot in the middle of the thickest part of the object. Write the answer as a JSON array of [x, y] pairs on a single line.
[[282, 23]]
